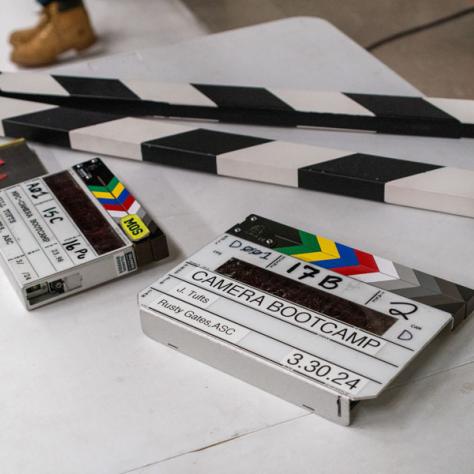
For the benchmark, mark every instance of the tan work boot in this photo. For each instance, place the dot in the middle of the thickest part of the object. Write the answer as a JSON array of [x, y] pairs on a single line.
[[23, 36], [65, 30]]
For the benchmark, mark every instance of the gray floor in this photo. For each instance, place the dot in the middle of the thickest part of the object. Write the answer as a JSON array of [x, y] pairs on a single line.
[[440, 61]]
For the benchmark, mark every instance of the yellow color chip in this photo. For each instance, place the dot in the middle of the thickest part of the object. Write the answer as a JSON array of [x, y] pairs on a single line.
[[102, 195], [328, 251], [134, 227], [118, 189]]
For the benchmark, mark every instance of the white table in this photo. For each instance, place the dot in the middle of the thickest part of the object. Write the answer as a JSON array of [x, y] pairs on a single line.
[[84, 391]]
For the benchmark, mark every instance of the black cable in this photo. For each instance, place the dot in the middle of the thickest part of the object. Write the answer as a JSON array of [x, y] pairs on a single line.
[[419, 28]]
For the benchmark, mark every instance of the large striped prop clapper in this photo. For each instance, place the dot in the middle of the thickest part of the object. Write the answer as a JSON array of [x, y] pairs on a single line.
[[344, 172], [361, 265], [254, 105]]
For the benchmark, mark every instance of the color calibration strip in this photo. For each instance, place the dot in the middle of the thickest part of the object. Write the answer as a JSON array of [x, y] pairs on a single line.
[[109, 191]]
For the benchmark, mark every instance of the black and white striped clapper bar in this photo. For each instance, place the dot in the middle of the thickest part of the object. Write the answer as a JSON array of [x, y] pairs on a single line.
[[348, 173], [253, 105]]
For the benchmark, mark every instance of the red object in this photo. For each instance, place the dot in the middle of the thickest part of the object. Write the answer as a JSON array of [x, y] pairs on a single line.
[[367, 264]]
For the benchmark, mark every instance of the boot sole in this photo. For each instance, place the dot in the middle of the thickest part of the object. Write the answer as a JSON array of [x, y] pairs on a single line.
[[81, 51]]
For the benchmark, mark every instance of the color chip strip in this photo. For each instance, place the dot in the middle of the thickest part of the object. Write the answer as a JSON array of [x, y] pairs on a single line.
[[115, 198], [253, 105], [122, 207], [342, 172], [363, 266], [125, 210]]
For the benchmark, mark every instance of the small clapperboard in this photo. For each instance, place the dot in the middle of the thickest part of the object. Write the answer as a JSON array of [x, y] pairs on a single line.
[[64, 232], [311, 320]]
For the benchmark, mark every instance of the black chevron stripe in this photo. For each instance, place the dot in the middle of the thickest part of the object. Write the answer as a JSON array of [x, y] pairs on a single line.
[[197, 149], [53, 125], [242, 97], [358, 175], [95, 87]]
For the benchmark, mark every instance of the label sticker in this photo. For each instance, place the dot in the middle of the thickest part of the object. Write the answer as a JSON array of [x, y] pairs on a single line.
[[324, 372], [194, 295], [199, 318], [125, 263], [134, 227]]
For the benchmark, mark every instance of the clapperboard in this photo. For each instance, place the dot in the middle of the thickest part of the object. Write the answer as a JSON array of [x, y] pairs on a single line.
[[313, 321], [64, 232]]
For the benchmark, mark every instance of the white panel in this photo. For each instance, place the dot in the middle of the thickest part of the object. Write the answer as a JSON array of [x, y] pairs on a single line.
[[386, 266], [461, 109], [274, 162], [14, 107], [184, 94], [31, 83], [122, 137], [321, 101], [445, 189]]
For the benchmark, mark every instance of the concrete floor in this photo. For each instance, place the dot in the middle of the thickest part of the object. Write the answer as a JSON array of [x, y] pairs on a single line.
[[440, 61]]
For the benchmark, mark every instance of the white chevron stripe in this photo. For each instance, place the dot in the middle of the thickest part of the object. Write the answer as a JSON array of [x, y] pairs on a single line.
[[180, 94], [443, 189], [387, 267], [122, 137], [117, 214], [134, 208], [461, 109], [274, 162], [387, 272], [31, 83]]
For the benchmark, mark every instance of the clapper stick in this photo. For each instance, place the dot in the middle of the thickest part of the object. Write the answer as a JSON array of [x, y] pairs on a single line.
[[377, 178], [409, 115]]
